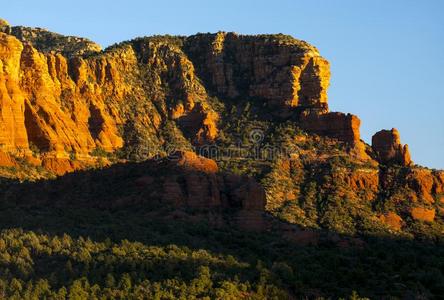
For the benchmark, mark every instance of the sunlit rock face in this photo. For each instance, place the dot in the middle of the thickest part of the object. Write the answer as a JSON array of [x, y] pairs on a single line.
[[283, 71], [62, 95], [340, 126], [67, 105]]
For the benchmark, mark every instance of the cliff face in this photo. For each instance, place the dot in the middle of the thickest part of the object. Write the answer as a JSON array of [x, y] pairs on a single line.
[[286, 73], [13, 132], [67, 105], [61, 96]]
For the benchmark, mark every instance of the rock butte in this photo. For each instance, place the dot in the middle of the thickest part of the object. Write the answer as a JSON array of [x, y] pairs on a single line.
[[63, 95], [62, 99], [423, 214], [71, 97]]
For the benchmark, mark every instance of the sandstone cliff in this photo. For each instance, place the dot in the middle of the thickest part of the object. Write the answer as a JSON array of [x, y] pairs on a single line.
[[62, 96], [67, 105]]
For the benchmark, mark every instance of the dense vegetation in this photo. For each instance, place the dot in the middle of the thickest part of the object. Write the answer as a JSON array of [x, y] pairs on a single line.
[[79, 253]]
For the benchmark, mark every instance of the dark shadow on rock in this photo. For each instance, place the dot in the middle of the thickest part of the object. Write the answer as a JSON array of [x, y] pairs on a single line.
[[131, 202]]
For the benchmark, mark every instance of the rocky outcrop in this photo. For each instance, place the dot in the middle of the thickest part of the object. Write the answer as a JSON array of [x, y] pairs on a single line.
[[426, 184], [423, 214], [388, 148], [285, 72], [63, 96], [197, 184], [67, 105], [244, 192], [193, 162], [13, 135], [344, 127], [340, 126], [363, 182], [411, 185], [392, 220], [62, 105]]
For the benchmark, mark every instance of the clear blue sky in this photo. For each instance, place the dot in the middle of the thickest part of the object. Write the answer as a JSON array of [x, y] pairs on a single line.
[[387, 56]]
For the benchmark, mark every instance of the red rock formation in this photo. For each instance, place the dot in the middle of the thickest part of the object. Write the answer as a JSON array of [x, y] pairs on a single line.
[[197, 185], [364, 182], [411, 187], [344, 127], [193, 162], [244, 192], [281, 70], [392, 220], [13, 135], [388, 148], [62, 99], [65, 103], [423, 214], [200, 124], [439, 182], [426, 184]]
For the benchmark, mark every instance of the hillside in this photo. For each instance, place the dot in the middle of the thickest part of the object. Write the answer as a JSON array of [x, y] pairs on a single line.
[[223, 134]]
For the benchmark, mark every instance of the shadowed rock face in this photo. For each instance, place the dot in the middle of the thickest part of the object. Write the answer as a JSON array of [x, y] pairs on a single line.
[[183, 180]]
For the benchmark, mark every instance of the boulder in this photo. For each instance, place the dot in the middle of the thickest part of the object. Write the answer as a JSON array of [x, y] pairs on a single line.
[[392, 220], [192, 162], [424, 183], [423, 214]]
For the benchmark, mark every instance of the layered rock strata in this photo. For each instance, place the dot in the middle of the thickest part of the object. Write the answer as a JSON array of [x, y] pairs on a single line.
[[62, 96]]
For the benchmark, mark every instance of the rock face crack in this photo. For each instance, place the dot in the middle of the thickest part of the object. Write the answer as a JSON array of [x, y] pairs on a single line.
[[95, 122], [36, 136]]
